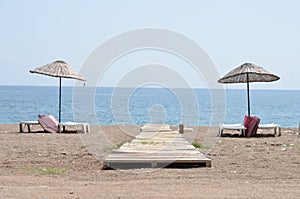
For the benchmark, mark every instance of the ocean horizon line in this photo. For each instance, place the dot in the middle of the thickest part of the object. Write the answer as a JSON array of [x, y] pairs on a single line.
[[149, 87]]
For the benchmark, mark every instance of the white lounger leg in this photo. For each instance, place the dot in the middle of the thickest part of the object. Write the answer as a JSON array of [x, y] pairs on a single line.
[[85, 127], [220, 131]]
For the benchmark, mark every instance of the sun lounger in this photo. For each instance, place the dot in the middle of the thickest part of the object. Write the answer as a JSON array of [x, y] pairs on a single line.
[[247, 129], [238, 127], [275, 127], [28, 124], [84, 126], [51, 124]]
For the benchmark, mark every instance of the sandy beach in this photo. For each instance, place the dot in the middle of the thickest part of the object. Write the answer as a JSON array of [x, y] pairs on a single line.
[[44, 165]]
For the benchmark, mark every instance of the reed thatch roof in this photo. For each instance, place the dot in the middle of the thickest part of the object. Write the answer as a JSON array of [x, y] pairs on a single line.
[[255, 74], [58, 69]]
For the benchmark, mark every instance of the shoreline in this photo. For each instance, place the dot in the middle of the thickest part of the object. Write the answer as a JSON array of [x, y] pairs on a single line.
[[173, 126]]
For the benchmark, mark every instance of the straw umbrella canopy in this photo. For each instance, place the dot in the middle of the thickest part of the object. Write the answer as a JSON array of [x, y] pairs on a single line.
[[58, 69], [247, 73]]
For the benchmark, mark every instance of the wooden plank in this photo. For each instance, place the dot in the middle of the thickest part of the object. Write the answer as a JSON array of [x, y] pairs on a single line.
[[155, 127], [156, 148], [169, 159]]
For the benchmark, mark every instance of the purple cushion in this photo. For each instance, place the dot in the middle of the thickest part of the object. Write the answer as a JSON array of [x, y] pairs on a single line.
[[49, 123]]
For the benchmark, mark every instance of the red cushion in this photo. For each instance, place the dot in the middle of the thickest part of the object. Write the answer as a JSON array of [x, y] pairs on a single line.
[[251, 124]]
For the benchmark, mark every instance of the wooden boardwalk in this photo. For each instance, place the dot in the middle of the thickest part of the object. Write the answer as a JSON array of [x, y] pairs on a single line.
[[156, 146]]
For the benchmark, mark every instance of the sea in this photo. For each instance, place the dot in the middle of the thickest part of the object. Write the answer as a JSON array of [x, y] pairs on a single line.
[[137, 106]]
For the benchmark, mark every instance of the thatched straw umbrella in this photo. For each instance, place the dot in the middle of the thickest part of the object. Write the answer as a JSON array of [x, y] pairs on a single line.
[[248, 73], [58, 69]]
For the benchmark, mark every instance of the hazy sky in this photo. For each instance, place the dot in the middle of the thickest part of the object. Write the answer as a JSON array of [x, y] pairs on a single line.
[[232, 32]]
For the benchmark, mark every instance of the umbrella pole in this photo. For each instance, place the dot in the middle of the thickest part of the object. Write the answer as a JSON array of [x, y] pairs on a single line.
[[248, 94], [59, 108]]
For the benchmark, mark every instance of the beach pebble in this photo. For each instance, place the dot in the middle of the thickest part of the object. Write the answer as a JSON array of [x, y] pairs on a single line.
[[274, 143], [283, 149]]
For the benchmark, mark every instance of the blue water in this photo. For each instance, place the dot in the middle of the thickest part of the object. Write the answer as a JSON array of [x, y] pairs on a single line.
[[108, 106]]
